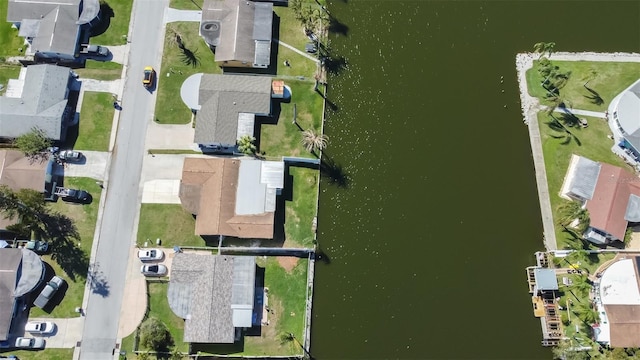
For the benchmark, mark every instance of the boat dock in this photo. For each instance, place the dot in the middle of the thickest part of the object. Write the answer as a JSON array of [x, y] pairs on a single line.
[[543, 287]]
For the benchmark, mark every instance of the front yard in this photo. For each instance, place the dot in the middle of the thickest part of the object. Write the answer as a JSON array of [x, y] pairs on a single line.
[[177, 66], [70, 257], [8, 72], [114, 28], [100, 70], [169, 222], [96, 118]]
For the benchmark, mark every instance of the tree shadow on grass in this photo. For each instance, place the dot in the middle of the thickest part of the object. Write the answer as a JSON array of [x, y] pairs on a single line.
[[64, 236], [594, 97], [106, 13], [190, 57]]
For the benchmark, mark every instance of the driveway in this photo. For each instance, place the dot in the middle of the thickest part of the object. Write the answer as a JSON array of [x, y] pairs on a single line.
[[170, 137], [68, 332], [161, 176], [94, 166]]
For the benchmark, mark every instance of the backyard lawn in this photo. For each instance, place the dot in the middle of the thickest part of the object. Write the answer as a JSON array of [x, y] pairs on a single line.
[[100, 70], [594, 145], [169, 222], [96, 118], [177, 67], [70, 259], [115, 25], [284, 138], [607, 79], [301, 211], [8, 72]]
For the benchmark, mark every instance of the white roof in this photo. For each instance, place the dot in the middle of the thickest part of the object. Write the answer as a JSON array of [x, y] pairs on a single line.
[[628, 113], [619, 284]]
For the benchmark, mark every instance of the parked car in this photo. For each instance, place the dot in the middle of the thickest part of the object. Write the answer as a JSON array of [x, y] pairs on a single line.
[[40, 327], [150, 254], [153, 270], [147, 80], [94, 50], [49, 291], [77, 196], [30, 343], [70, 155], [38, 246]]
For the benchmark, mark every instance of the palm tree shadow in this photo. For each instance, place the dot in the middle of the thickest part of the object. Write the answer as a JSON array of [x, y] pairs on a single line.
[[594, 97], [334, 172], [337, 27], [190, 57]]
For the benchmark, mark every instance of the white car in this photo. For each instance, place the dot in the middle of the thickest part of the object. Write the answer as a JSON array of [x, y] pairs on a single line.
[[70, 155], [150, 254], [40, 327], [30, 343], [153, 270]]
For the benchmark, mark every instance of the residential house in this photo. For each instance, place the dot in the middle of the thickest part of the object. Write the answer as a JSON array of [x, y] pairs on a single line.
[[21, 271], [624, 121], [53, 28], [38, 99], [617, 299], [18, 172], [214, 294], [229, 105], [239, 32], [611, 196], [232, 196]]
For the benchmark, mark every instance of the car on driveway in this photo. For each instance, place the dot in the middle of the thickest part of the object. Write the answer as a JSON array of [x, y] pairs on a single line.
[[38, 246], [147, 79], [150, 254], [153, 270], [76, 196], [30, 343], [40, 327], [49, 291], [70, 155]]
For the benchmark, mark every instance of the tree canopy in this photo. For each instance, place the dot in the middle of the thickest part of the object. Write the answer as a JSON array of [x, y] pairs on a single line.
[[34, 144], [246, 146], [155, 335]]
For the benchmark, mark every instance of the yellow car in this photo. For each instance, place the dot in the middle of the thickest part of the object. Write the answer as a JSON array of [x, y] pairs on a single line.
[[147, 80]]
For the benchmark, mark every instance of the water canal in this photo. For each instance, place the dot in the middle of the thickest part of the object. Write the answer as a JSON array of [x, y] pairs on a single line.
[[428, 242]]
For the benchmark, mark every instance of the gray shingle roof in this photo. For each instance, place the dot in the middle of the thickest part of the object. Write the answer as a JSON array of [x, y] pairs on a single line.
[[244, 32], [585, 178], [202, 291], [222, 98], [42, 105]]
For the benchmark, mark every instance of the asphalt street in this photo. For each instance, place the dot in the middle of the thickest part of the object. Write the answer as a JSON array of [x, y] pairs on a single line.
[[116, 234]]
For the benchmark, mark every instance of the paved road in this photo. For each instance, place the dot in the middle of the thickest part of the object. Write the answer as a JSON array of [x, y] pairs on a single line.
[[122, 186]]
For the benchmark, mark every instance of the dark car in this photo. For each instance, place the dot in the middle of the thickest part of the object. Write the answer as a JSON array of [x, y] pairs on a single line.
[[38, 246], [77, 196]]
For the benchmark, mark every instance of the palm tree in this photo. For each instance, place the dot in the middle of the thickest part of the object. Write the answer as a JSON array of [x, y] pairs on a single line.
[[543, 47], [582, 284], [586, 312], [313, 141], [246, 146], [572, 210]]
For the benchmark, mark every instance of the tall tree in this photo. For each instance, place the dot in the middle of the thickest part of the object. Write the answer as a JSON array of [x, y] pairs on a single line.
[[34, 144], [586, 312], [544, 47], [313, 141], [155, 335], [27, 206]]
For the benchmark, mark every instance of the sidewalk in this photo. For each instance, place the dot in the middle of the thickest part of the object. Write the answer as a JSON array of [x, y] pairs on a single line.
[[134, 303]]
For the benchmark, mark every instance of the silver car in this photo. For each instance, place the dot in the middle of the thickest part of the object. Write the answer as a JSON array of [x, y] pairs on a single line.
[[30, 343], [153, 270], [70, 155]]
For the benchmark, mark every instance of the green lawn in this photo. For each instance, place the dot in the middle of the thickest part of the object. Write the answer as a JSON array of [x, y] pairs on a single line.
[[115, 25], [10, 42], [100, 70], [96, 118], [607, 79], [302, 209], [169, 222], [8, 72], [594, 145], [71, 258], [284, 138], [169, 107], [186, 4], [159, 308], [48, 354], [291, 30]]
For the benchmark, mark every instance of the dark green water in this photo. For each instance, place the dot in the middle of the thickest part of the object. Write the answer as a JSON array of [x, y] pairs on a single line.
[[428, 243]]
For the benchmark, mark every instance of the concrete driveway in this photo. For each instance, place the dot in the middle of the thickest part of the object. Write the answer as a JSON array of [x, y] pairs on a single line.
[[68, 332], [93, 166], [170, 137]]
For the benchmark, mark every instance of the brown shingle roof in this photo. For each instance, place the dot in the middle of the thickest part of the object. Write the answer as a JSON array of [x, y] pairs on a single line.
[[18, 172], [209, 186], [624, 322], [610, 198]]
